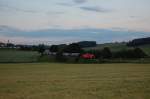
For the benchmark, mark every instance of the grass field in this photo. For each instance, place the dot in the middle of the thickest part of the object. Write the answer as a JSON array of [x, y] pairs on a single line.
[[16, 56], [74, 81]]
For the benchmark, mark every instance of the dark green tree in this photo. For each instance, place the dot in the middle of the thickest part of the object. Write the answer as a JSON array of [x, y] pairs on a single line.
[[53, 48], [60, 57], [131, 53], [139, 53], [41, 49], [106, 53], [73, 48]]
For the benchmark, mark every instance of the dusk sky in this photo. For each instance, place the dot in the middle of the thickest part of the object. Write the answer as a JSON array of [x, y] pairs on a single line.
[[61, 21]]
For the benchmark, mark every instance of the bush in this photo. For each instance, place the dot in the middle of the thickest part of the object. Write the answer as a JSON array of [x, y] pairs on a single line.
[[106, 53], [73, 48], [60, 57], [41, 49], [54, 48], [86, 61], [139, 53], [134, 53]]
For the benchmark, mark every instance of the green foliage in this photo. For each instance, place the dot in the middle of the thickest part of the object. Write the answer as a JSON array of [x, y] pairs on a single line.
[[102, 56], [87, 61], [139, 41], [73, 48], [106, 53], [115, 47], [60, 57], [28, 48], [134, 53], [54, 48], [139, 53], [46, 58], [41, 49], [146, 49], [85, 44]]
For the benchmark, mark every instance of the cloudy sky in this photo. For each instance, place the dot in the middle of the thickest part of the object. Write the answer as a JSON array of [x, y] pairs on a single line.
[[60, 21]]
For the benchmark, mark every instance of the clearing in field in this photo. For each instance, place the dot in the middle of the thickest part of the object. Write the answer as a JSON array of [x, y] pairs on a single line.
[[74, 81]]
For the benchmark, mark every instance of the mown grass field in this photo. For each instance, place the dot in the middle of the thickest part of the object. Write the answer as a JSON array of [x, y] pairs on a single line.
[[74, 81], [17, 56]]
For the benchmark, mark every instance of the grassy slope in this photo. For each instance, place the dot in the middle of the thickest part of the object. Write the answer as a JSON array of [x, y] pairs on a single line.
[[146, 48], [8, 55], [113, 46], [74, 81], [120, 46]]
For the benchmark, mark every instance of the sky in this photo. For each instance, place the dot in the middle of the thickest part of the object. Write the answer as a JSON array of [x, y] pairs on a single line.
[[62, 21]]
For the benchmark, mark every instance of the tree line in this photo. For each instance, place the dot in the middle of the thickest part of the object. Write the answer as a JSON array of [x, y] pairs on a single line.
[[139, 42], [80, 48], [101, 54]]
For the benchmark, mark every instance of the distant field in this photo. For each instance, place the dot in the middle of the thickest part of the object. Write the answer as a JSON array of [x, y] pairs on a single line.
[[74, 81], [10, 55], [120, 46]]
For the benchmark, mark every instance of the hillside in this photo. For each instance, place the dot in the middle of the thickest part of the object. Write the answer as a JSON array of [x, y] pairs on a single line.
[[120, 46], [139, 42]]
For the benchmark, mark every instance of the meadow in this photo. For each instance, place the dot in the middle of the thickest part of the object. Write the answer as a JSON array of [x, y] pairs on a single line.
[[17, 56], [74, 81]]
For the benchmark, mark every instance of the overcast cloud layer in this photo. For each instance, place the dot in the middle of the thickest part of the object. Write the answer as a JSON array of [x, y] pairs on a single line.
[[74, 20]]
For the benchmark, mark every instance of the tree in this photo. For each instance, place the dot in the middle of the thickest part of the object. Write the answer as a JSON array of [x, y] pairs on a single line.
[[53, 48], [73, 48], [106, 53], [138, 42], [85, 44], [41, 49], [139, 53], [131, 53], [60, 57]]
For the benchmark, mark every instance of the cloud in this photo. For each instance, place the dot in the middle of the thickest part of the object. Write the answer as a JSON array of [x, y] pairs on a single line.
[[55, 12], [79, 1], [16, 9], [75, 2], [12, 8], [134, 17], [99, 35], [94, 9], [65, 4]]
